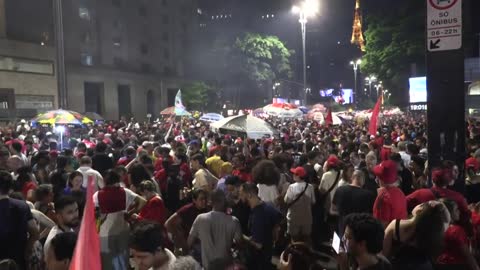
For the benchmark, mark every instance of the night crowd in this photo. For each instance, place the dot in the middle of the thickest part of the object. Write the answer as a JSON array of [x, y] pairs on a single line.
[[175, 195]]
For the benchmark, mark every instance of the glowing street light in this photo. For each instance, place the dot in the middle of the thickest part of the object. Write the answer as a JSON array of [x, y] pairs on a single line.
[[306, 9], [370, 79], [355, 64]]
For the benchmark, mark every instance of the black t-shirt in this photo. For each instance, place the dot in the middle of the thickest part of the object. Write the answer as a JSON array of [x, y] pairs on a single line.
[[102, 162], [14, 218], [312, 177], [370, 183], [263, 219], [351, 199], [241, 211], [406, 185]]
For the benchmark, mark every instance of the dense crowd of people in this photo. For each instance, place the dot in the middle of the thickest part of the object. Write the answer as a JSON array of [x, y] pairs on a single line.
[[175, 195]]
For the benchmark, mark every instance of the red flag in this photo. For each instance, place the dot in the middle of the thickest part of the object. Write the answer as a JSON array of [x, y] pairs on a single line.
[[329, 119], [87, 250], [374, 119]]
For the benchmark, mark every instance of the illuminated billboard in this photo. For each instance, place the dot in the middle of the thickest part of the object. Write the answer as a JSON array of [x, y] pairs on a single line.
[[418, 89]]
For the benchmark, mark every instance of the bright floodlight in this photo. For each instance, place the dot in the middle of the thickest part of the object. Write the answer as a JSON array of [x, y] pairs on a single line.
[[359, 61], [310, 7], [351, 62], [60, 129]]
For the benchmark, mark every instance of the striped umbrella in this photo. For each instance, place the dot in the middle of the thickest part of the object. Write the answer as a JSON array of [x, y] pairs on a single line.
[[62, 117]]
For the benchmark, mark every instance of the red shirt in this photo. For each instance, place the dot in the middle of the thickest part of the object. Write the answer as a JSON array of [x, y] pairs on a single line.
[[385, 153], [455, 240], [161, 178], [154, 211], [27, 187], [390, 204], [188, 214], [425, 195], [243, 175], [187, 174]]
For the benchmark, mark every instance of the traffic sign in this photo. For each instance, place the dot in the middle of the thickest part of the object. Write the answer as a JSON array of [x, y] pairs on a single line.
[[444, 25]]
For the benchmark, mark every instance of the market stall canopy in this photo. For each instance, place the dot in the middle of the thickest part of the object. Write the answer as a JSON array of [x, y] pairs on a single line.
[[62, 117], [211, 117], [245, 125], [283, 110]]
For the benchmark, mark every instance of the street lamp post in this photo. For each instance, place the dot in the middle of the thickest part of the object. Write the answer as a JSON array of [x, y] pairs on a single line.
[[306, 9], [60, 54], [355, 65], [370, 79]]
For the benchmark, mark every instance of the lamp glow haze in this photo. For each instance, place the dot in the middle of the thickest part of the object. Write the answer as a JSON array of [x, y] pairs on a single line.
[[308, 7], [60, 129]]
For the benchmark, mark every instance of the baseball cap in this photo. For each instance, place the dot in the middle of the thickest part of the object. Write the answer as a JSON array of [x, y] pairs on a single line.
[[193, 142], [386, 171], [333, 161], [442, 176], [299, 171]]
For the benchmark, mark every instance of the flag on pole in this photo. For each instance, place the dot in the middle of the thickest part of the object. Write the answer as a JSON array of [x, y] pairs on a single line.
[[329, 119], [374, 119], [179, 108], [87, 250]]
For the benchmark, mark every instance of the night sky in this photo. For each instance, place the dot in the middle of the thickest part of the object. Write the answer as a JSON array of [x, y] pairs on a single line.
[[328, 34]]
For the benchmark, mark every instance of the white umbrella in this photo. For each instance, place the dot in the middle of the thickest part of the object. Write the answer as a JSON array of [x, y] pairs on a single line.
[[283, 110], [248, 125], [211, 117]]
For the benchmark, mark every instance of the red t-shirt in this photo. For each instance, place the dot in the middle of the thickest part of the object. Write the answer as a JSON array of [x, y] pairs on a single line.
[[161, 178], [390, 204], [455, 239], [188, 214], [425, 195], [154, 211], [385, 153], [243, 175], [28, 186], [187, 174]]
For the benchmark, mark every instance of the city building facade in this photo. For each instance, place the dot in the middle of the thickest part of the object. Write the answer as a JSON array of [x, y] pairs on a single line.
[[123, 58]]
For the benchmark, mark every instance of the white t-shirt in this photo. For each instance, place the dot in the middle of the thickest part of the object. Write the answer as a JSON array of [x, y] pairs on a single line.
[[328, 179], [114, 223], [168, 264], [268, 194], [301, 211], [86, 172]]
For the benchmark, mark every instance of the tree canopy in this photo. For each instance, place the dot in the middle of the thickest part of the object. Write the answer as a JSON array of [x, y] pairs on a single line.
[[198, 95], [394, 43], [250, 64]]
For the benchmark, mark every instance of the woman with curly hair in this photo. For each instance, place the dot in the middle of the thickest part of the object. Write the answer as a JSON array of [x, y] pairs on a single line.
[[267, 176]]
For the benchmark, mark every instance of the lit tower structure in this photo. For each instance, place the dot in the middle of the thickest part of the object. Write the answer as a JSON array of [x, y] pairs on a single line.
[[357, 34]]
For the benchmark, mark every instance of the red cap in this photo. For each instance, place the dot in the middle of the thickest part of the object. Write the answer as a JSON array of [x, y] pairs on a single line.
[[442, 176], [299, 171], [386, 171], [472, 163], [333, 161]]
